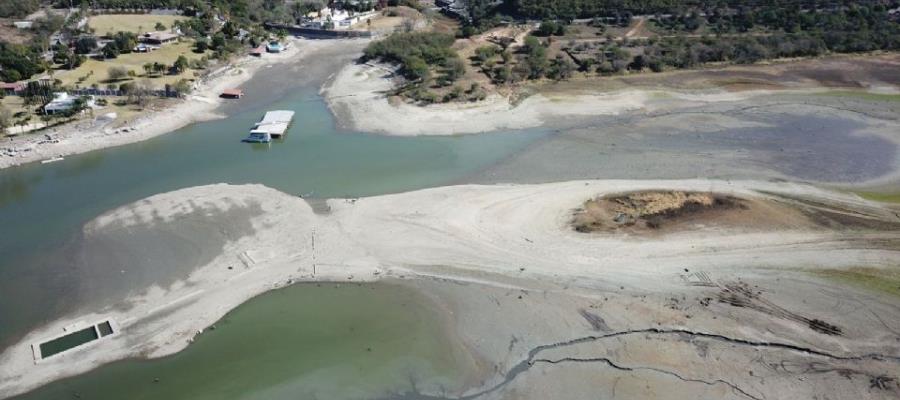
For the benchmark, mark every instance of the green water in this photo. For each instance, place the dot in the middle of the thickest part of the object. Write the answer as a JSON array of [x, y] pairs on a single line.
[[43, 207], [67, 342], [301, 342]]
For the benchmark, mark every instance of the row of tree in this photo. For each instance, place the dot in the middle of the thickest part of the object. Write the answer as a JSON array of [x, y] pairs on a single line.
[[18, 61], [530, 63], [692, 52], [18, 8], [571, 9], [122, 4]]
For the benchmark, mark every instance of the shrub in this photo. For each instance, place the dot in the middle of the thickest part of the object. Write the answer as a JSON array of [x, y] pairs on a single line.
[[116, 73]]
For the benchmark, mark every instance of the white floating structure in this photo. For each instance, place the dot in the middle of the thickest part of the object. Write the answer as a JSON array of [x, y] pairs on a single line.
[[275, 123]]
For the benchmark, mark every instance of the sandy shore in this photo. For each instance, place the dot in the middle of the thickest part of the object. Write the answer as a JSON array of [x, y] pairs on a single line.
[[356, 94], [201, 105], [508, 236]]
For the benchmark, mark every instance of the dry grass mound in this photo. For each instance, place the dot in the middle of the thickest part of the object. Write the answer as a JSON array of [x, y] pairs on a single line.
[[665, 211], [650, 210]]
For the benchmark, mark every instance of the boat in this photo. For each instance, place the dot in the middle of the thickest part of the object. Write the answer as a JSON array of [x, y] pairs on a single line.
[[273, 125], [257, 136], [50, 160]]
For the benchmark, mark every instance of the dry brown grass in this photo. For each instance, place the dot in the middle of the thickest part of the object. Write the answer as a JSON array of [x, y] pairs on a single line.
[[668, 211], [137, 23], [96, 72], [11, 34]]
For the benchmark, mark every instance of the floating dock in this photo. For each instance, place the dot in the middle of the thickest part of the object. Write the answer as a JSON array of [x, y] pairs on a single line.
[[273, 125]]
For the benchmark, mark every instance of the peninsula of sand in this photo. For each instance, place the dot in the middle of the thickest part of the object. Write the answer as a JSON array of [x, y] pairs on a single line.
[[706, 288]]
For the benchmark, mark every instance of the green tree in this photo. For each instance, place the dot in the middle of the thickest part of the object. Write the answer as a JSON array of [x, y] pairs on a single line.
[[201, 45], [181, 64], [550, 28], [502, 74], [218, 41], [85, 45], [124, 41], [111, 50], [68, 59], [561, 68], [159, 68], [183, 87], [536, 58], [415, 68]]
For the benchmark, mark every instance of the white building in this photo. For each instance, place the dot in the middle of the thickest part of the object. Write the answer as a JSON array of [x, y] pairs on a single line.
[[63, 102]]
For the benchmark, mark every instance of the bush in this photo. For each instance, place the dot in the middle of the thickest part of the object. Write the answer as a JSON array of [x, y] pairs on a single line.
[[116, 73], [110, 50], [550, 28], [485, 53], [201, 45], [502, 74], [467, 31], [416, 52], [561, 69], [605, 68], [85, 45]]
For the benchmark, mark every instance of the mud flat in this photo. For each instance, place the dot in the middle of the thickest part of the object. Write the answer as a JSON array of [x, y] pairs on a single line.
[[536, 299], [837, 139]]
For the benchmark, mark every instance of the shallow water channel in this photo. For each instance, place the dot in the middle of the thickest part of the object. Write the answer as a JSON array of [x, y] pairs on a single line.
[[305, 341], [49, 267]]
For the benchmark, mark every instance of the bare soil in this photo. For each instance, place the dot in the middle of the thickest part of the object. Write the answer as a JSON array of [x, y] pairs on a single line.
[[647, 212], [10, 34], [666, 211], [837, 71]]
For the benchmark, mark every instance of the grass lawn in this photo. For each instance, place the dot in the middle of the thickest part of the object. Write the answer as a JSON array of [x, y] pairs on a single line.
[[886, 280], [863, 95], [890, 197], [125, 113], [14, 104], [137, 23], [95, 71]]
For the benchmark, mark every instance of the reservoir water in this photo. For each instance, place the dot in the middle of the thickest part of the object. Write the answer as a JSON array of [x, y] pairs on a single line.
[[43, 207], [301, 342]]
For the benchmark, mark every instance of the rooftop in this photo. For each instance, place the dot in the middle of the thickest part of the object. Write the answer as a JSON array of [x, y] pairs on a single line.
[[233, 93], [11, 86], [160, 36]]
